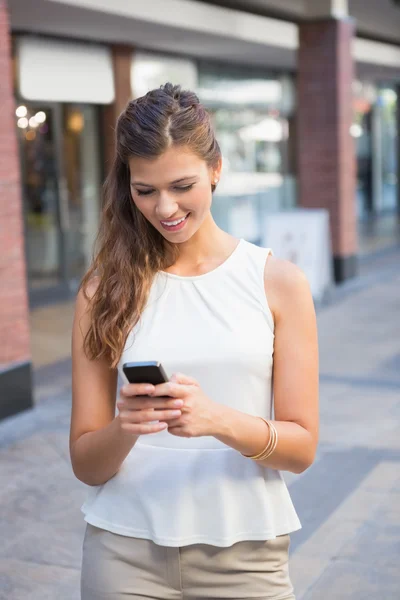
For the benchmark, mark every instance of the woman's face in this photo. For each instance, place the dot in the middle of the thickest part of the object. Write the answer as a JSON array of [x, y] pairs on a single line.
[[173, 191]]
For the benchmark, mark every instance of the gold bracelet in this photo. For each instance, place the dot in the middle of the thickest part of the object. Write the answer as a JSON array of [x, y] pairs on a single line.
[[268, 451], [268, 446], [272, 443]]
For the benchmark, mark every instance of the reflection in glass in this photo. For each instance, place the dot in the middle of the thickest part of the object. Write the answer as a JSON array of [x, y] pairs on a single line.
[[82, 182], [387, 98], [40, 195], [61, 181], [250, 114]]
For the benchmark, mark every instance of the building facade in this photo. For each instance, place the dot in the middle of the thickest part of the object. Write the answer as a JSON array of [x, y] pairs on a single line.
[[304, 102]]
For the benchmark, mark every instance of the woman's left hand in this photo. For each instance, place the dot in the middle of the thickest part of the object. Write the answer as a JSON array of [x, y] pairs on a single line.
[[200, 415]]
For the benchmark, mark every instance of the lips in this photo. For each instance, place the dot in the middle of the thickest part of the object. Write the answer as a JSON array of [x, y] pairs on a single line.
[[173, 223], [176, 224]]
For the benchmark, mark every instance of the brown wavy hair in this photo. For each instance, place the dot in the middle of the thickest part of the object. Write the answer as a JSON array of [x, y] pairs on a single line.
[[129, 250]]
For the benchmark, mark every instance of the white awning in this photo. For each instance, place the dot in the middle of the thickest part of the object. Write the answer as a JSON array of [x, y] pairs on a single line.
[[64, 71]]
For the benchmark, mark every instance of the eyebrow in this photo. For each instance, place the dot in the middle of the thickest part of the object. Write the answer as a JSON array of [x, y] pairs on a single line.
[[172, 182]]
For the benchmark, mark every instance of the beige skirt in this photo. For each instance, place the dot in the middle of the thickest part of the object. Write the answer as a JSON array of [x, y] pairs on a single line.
[[119, 567]]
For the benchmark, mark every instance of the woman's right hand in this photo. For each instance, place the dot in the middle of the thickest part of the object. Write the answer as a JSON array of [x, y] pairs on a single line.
[[141, 414]]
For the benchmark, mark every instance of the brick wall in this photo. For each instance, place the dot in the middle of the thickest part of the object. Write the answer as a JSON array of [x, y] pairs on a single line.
[[14, 315], [122, 62], [326, 153]]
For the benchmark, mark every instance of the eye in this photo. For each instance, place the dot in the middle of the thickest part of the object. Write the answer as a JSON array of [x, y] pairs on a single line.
[[184, 188], [144, 192]]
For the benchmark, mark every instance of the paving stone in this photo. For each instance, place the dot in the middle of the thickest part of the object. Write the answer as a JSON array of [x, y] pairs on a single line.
[[42, 496], [326, 485], [58, 544], [45, 497], [32, 451], [333, 538], [21, 580], [345, 580], [377, 543], [305, 572]]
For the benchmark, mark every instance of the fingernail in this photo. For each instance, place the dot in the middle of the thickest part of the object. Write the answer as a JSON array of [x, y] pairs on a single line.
[[178, 403], [176, 413], [149, 388]]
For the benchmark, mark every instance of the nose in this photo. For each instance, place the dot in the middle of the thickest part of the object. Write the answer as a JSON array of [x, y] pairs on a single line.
[[166, 206]]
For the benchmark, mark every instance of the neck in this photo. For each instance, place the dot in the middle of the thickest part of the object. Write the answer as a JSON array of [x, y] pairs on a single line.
[[208, 246]]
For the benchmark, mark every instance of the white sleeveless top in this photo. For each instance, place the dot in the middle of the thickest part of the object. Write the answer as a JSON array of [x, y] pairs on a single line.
[[218, 328]]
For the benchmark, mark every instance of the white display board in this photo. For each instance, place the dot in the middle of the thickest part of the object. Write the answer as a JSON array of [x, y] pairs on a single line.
[[303, 237]]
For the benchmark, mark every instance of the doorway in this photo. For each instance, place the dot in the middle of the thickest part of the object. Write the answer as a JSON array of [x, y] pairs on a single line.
[[61, 180]]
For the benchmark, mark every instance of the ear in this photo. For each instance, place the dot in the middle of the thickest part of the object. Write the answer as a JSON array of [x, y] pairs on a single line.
[[216, 172]]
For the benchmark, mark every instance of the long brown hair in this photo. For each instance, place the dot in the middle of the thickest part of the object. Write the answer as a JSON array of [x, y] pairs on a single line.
[[129, 250]]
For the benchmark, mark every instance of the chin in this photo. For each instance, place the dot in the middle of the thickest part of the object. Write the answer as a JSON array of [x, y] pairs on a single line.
[[177, 238]]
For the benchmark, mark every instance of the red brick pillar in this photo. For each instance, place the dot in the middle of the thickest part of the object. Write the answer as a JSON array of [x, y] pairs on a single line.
[[122, 62], [15, 362], [326, 153]]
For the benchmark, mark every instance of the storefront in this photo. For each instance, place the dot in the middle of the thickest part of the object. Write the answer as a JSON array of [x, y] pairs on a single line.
[[58, 124], [61, 87], [252, 113], [375, 133]]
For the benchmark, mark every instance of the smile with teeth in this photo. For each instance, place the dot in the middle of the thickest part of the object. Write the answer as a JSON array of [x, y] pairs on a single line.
[[174, 223]]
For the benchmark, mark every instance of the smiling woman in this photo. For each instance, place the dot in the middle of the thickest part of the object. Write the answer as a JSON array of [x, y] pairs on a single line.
[[166, 167], [179, 204], [188, 499]]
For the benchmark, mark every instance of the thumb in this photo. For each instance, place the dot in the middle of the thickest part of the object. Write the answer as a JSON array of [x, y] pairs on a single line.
[[183, 379]]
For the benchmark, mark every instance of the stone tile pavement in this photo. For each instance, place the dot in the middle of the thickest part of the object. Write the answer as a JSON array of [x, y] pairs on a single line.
[[348, 501]]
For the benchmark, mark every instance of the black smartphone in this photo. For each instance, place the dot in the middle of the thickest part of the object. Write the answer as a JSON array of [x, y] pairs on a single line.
[[145, 372]]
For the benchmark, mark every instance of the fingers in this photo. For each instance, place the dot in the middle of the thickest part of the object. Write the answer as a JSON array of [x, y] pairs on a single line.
[[144, 402], [147, 416], [145, 409], [175, 423], [174, 390], [137, 389], [145, 422], [143, 428], [179, 432], [184, 379]]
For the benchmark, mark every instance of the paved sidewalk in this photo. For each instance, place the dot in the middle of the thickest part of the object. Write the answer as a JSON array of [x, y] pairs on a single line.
[[348, 501]]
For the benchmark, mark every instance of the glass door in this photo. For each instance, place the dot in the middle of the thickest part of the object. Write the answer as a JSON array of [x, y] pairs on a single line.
[[60, 167], [37, 134], [80, 185]]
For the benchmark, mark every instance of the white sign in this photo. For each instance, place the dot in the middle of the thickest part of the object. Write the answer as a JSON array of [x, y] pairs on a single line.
[[303, 237]]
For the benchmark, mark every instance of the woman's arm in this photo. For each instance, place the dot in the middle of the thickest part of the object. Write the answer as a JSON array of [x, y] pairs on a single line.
[[295, 377], [99, 440], [98, 444]]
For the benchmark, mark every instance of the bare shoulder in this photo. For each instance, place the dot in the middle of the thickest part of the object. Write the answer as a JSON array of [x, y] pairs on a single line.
[[284, 274], [89, 290], [286, 285], [82, 314], [86, 295]]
